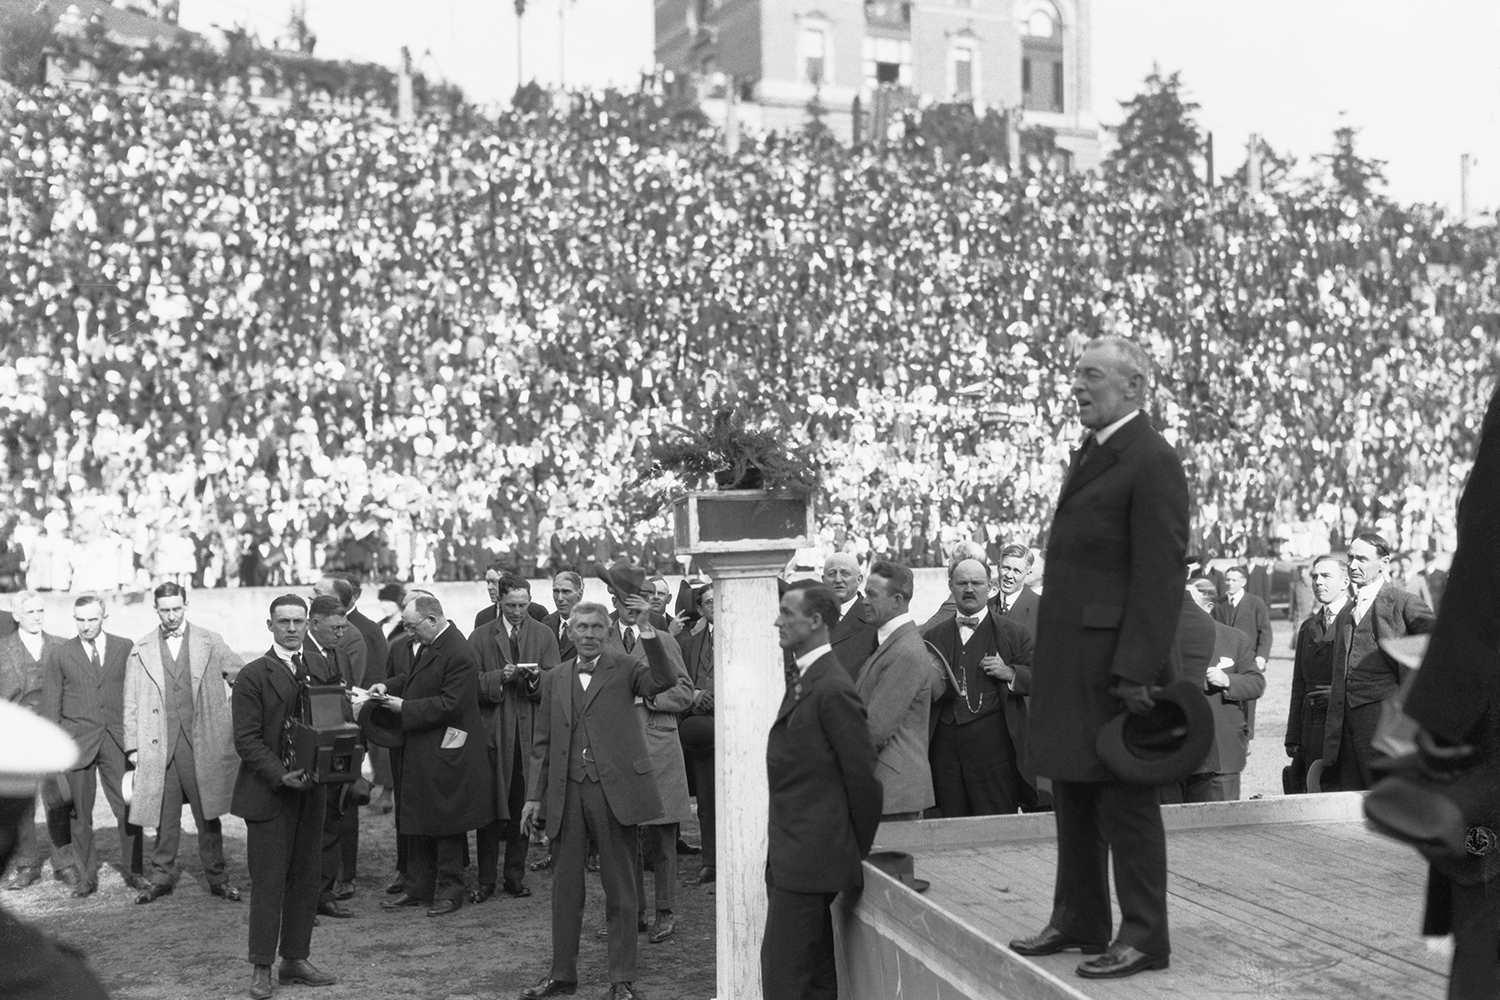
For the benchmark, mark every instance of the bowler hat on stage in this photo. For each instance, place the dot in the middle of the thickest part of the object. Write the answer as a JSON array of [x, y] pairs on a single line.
[[381, 725], [900, 866], [623, 578], [1161, 746]]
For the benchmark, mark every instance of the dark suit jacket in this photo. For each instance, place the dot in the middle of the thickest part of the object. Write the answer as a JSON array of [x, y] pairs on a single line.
[[1246, 683], [564, 641], [853, 637], [330, 666], [21, 673], [1111, 597], [1023, 610], [1250, 616], [615, 735], [265, 695], [826, 800], [509, 708], [444, 790], [377, 648], [698, 658], [1312, 675], [1374, 678], [89, 704], [1013, 644], [490, 613], [7, 623]]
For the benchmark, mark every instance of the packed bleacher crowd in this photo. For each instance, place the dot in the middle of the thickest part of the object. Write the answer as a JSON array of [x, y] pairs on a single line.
[[241, 345]]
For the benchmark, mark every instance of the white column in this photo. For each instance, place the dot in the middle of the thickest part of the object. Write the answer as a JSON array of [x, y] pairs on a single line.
[[749, 684]]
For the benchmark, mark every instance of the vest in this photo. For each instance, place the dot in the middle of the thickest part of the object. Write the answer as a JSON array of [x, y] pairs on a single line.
[[1367, 679], [985, 695], [580, 763], [178, 697]]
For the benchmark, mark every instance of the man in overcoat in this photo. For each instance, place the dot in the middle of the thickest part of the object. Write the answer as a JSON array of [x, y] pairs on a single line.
[[22, 654], [179, 732], [283, 811], [83, 690], [591, 774], [1312, 668], [515, 650], [1231, 678], [446, 783], [1111, 599]]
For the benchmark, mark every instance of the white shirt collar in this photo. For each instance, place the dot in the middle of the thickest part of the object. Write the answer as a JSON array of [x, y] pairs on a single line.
[[809, 658], [1104, 433], [1336, 605], [844, 608], [33, 643], [884, 632], [285, 656], [1235, 599]]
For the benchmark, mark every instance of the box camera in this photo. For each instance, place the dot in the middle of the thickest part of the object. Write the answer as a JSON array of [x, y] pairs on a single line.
[[323, 737]]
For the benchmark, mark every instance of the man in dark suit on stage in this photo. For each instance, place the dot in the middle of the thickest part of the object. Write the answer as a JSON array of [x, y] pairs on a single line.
[[445, 765], [515, 651], [83, 690], [1111, 600], [283, 811], [492, 578], [853, 635], [979, 765], [825, 801], [591, 775], [22, 654], [567, 591], [1312, 668], [1363, 677], [1015, 600], [1240, 609]]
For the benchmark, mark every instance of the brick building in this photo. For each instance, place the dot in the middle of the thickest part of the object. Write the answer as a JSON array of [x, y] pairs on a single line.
[[779, 55]]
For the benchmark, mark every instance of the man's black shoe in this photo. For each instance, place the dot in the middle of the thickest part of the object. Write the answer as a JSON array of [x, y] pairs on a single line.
[[1051, 941], [683, 847], [343, 890], [443, 907], [154, 892], [86, 888], [618, 991], [260, 983], [517, 889], [21, 878], [400, 901], [330, 908], [481, 894], [1121, 961], [225, 891], [300, 970], [549, 988]]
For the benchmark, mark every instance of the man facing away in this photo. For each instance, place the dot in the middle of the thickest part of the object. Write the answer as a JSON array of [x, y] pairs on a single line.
[[825, 801]]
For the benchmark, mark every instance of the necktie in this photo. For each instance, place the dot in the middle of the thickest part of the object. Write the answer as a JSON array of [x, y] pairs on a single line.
[[968, 622], [629, 640], [587, 666], [299, 667], [515, 641], [94, 655]]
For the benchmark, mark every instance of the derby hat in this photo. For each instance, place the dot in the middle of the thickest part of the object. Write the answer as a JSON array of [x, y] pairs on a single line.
[[381, 726], [900, 866], [623, 578], [1166, 744]]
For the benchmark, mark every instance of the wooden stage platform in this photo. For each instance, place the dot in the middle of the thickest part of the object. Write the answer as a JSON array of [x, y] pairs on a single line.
[[1275, 898]]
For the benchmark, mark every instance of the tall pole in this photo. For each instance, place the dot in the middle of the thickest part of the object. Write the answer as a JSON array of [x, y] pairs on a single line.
[[1465, 161], [520, 13], [1252, 165], [562, 43]]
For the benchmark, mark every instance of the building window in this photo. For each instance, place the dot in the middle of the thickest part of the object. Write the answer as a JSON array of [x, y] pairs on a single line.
[[887, 62], [963, 71], [814, 55], [1042, 74]]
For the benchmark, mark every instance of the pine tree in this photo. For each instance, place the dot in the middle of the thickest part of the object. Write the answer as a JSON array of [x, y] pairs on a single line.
[[1349, 174], [1159, 138]]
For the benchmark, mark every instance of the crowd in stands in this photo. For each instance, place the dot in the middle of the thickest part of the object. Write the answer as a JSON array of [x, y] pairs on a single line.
[[255, 343]]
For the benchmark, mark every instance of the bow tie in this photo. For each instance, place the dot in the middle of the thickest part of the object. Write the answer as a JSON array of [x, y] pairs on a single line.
[[173, 635], [587, 666], [968, 622]]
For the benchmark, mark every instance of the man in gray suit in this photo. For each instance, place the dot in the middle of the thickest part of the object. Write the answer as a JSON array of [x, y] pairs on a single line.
[[21, 656], [83, 690], [898, 684]]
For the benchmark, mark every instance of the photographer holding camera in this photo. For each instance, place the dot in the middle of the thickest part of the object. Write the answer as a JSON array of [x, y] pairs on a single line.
[[283, 810]]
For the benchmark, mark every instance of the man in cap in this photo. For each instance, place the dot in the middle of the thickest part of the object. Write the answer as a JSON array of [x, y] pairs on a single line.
[[21, 680], [179, 731], [284, 812], [83, 690], [586, 778], [1111, 600], [33, 967]]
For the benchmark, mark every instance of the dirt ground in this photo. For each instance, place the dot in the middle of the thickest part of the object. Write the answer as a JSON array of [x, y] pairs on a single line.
[[191, 945]]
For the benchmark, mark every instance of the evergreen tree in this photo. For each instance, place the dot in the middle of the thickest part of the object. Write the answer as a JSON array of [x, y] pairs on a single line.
[[1349, 174], [1159, 137]]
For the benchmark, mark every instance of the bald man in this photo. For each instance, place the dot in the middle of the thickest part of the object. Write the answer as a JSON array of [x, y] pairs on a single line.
[[853, 637]]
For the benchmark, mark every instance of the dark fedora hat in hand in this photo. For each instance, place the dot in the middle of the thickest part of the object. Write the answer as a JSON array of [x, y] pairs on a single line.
[[1163, 745], [381, 726], [623, 578], [900, 866]]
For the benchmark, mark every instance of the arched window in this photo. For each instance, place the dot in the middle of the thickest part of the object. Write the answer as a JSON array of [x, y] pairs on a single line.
[[1042, 65], [814, 53], [963, 69]]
